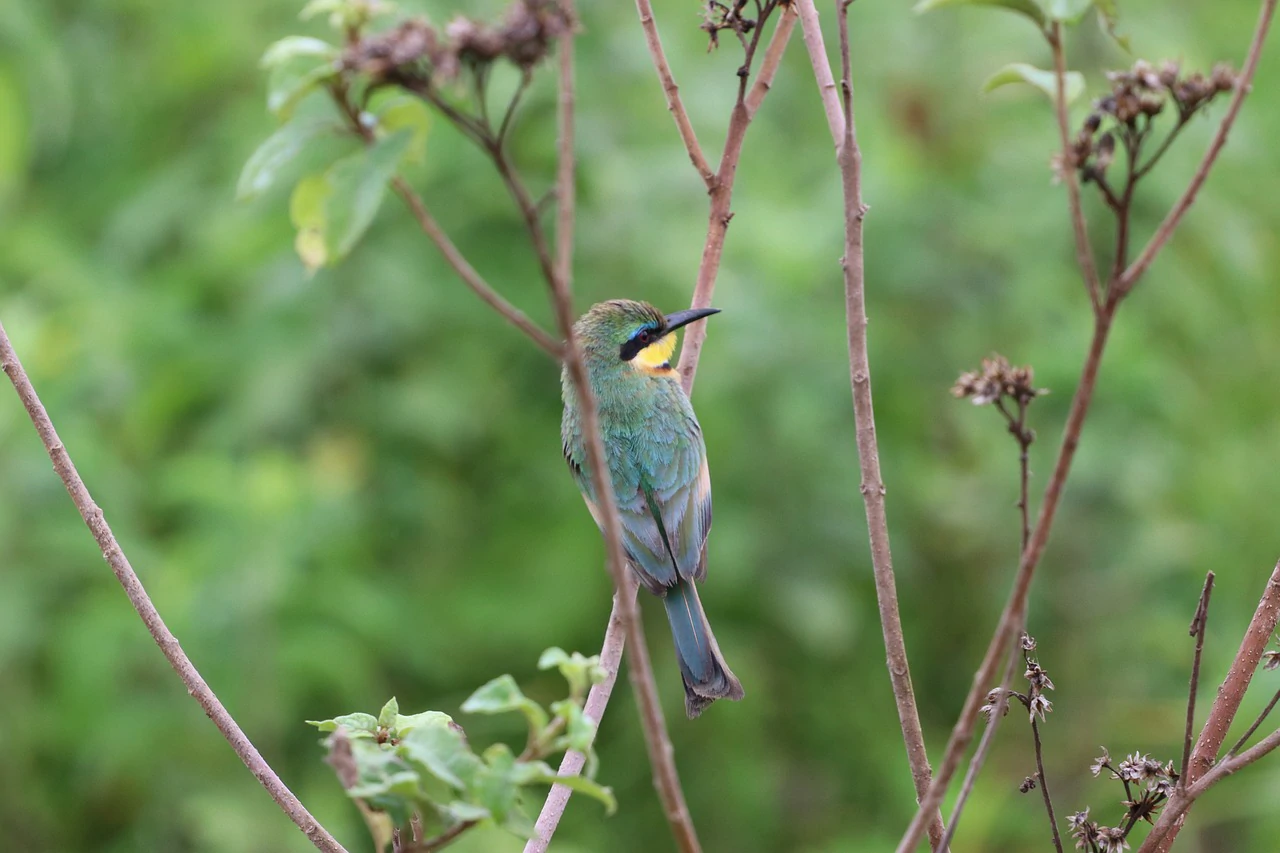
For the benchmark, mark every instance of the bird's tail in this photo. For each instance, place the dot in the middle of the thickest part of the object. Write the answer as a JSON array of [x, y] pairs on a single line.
[[706, 676]]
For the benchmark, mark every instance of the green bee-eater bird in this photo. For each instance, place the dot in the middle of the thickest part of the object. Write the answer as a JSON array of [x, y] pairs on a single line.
[[658, 464]]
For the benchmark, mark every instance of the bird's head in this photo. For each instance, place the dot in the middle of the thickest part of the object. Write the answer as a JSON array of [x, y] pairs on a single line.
[[624, 332]]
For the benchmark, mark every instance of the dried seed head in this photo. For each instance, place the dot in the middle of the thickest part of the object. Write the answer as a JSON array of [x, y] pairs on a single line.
[[997, 379], [1086, 832], [1100, 762]]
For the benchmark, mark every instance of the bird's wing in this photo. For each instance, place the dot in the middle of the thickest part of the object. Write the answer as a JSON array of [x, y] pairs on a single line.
[[663, 486], [676, 495]]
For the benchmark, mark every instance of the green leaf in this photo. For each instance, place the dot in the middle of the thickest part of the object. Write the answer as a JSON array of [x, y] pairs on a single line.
[[1025, 7], [387, 716], [320, 7], [403, 783], [404, 724], [502, 695], [291, 81], [347, 14], [495, 786], [292, 47], [357, 725], [260, 171], [1108, 17], [1067, 11], [463, 812], [1045, 81], [307, 211], [581, 672], [442, 751], [332, 211], [359, 183], [407, 114], [540, 773], [579, 732]]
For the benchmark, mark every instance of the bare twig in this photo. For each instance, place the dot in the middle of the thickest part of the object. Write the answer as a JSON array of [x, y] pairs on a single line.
[[1197, 629], [1044, 784], [1024, 437], [1084, 252], [984, 749], [1201, 772], [872, 487], [437, 235], [1180, 207], [1253, 727], [468, 274], [744, 110], [672, 93], [164, 638]]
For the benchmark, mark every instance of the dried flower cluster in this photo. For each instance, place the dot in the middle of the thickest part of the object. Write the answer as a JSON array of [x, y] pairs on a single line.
[[1037, 704], [1141, 93], [996, 380], [1094, 838], [524, 37], [1148, 783], [718, 17], [1033, 700]]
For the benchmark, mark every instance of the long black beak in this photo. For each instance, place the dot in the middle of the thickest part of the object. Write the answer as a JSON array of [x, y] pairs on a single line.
[[684, 318]]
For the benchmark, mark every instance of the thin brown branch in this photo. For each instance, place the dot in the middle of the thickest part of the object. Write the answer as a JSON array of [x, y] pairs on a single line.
[[164, 638], [720, 212], [1084, 252], [1203, 770], [1014, 613], [1044, 785], [597, 698], [1197, 629], [811, 30], [979, 759], [1024, 437], [443, 840], [437, 235], [849, 158], [772, 59], [468, 274], [672, 93], [566, 161], [1180, 207]]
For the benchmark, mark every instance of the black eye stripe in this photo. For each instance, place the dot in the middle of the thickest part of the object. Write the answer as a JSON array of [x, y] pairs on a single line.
[[638, 341]]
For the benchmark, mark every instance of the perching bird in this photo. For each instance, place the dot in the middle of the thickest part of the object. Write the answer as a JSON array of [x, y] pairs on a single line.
[[658, 463]]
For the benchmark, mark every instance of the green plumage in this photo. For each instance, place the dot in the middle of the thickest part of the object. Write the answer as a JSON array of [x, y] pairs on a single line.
[[658, 466]]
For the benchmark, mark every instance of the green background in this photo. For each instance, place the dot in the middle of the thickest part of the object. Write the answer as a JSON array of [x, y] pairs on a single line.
[[346, 487]]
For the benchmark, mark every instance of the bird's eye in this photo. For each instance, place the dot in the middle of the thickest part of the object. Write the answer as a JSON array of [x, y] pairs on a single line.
[[643, 337]]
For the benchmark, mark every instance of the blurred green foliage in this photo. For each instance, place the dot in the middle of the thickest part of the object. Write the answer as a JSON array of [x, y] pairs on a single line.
[[348, 486]]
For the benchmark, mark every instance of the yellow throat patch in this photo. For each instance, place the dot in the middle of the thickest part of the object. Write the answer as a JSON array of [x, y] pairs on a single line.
[[656, 357]]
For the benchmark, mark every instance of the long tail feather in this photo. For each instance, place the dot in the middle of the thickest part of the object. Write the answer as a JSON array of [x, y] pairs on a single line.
[[706, 676]]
